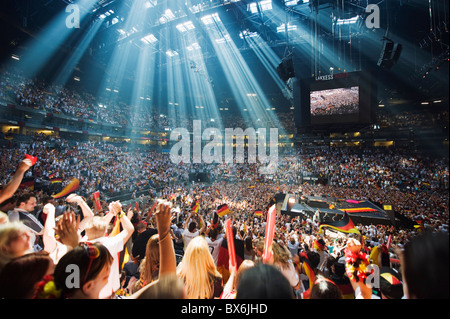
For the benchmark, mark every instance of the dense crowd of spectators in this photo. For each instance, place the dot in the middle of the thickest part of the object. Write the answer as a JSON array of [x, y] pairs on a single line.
[[335, 101], [188, 257], [55, 99], [298, 242]]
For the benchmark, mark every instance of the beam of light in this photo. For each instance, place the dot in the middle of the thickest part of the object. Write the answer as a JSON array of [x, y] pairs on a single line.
[[270, 60], [302, 38], [198, 82], [142, 95], [117, 65], [80, 49], [40, 50], [244, 85], [176, 108]]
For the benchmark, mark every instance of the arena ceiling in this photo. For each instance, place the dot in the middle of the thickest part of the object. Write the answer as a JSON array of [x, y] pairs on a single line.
[[319, 34]]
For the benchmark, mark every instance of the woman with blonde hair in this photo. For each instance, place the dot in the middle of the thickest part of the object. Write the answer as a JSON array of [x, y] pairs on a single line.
[[282, 259], [198, 271], [14, 242]]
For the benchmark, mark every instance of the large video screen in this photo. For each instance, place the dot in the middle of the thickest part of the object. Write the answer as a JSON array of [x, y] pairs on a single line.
[[340, 101], [344, 98]]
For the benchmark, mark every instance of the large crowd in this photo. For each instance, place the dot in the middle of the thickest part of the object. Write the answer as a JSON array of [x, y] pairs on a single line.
[[415, 185], [36, 94], [170, 242], [335, 101], [109, 109]]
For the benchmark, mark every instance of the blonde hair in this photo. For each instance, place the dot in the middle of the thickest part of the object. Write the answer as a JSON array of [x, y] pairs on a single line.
[[8, 233], [197, 270], [150, 263], [96, 226], [281, 255]]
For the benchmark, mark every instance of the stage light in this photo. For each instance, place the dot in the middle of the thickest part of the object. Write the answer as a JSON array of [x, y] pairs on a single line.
[[171, 53], [247, 34], [15, 57], [150, 4], [167, 16], [211, 18], [193, 46], [282, 28], [347, 21], [148, 39], [183, 27], [291, 2], [266, 5], [252, 7], [263, 6]]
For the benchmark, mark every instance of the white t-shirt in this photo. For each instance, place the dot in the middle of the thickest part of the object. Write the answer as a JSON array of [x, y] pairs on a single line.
[[114, 246], [293, 248], [214, 247], [188, 236]]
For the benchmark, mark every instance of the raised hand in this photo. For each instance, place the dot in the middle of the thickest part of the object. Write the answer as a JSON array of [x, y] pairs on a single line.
[[67, 229]]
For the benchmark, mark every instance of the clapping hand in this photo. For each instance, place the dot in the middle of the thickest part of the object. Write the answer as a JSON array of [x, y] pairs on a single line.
[[67, 229]]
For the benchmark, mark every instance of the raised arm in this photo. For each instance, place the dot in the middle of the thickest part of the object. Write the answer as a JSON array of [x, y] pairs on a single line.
[[168, 263], [87, 212], [12, 186], [127, 226], [49, 228]]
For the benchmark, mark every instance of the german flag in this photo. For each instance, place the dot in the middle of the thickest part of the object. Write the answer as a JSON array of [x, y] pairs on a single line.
[[258, 213], [56, 180], [194, 207], [419, 226], [223, 261], [51, 176], [309, 272], [223, 210], [27, 183], [71, 187], [319, 246], [217, 192], [344, 225], [358, 210]]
